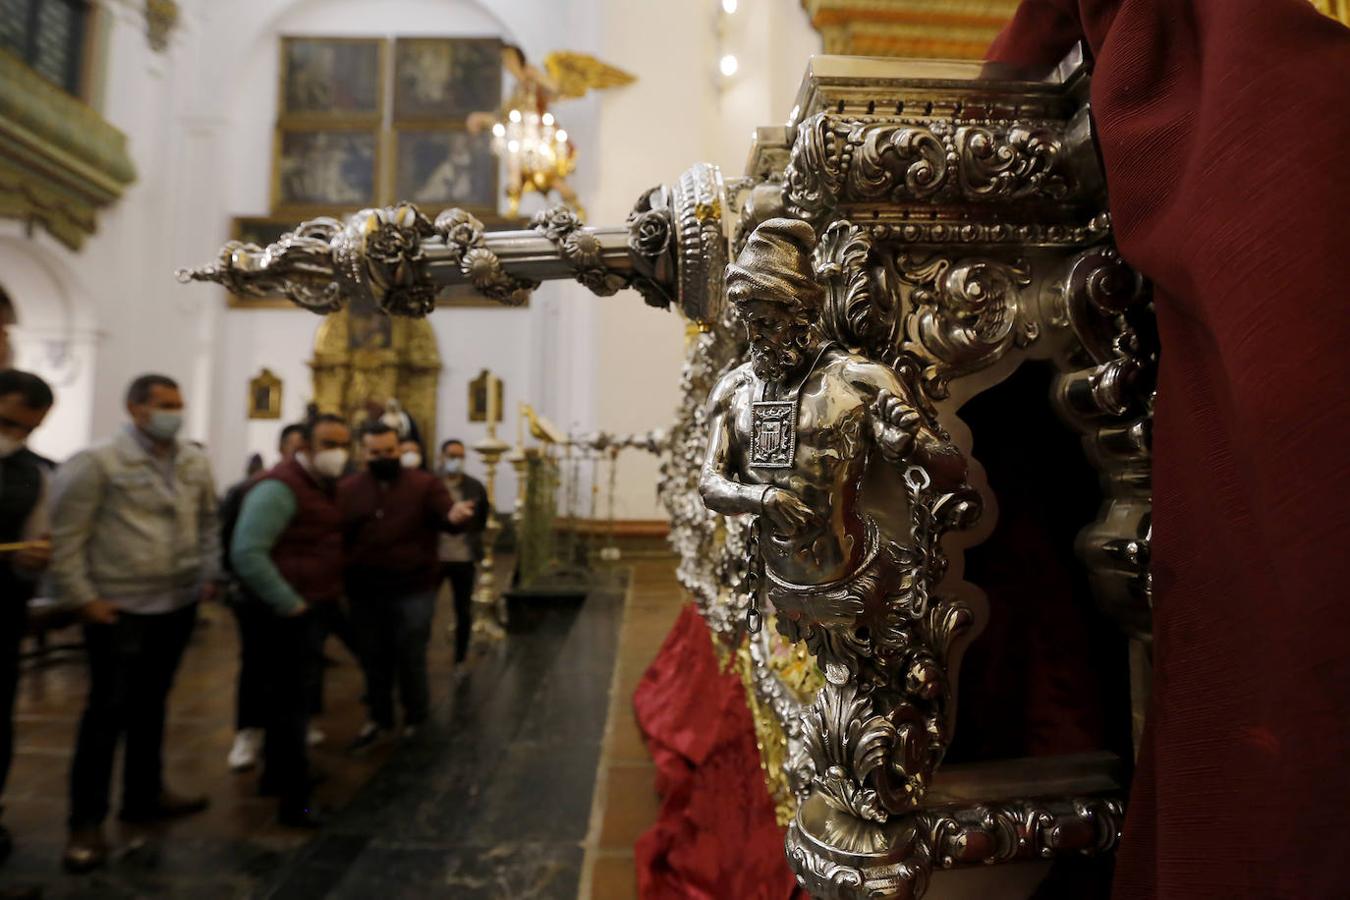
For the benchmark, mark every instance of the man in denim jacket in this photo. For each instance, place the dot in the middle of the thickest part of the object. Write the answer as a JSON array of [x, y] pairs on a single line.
[[135, 545]]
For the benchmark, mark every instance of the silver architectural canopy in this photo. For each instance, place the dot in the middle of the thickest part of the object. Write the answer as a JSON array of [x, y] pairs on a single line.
[[915, 233]]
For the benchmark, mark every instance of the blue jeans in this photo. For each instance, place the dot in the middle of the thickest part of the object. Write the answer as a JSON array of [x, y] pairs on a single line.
[[394, 633]]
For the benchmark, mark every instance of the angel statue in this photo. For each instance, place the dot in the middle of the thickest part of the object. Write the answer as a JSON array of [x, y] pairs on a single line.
[[535, 150]]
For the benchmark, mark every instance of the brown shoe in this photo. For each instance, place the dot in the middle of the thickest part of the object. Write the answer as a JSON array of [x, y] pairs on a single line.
[[86, 850], [168, 806]]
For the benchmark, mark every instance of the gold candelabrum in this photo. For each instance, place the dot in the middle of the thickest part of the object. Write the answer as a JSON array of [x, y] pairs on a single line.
[[488, 608]]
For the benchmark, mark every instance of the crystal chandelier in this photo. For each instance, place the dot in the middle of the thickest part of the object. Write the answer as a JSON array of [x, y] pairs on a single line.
[[535, 153]]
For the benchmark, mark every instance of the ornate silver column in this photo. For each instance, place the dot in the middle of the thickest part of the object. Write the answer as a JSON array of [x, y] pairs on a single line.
[[671, 250]]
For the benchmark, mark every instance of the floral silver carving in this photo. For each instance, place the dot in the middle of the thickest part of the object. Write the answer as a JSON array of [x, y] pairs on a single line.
[[652, 246], [581, 250], [896, 862], [838, 159], [466, 243]]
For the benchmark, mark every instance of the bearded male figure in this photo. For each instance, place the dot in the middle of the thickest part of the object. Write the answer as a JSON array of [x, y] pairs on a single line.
[[792, 432]]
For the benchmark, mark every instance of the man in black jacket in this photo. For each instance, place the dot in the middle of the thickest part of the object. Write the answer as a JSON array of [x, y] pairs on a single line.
[[460, 553], [24, 401]]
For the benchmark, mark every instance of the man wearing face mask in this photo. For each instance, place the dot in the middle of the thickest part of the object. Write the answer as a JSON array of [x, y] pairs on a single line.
[[286, 551], [410, 453], [393, 516], [460, 553], [250, 691], [135, 545], [24, 402]]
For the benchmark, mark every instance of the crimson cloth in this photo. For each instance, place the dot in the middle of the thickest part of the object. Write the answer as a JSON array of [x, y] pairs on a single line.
[[1223, 126], [716, 836]]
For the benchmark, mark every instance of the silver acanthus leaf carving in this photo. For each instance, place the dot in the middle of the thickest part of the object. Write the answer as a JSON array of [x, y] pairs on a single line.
[[964, 314], [837, 159]]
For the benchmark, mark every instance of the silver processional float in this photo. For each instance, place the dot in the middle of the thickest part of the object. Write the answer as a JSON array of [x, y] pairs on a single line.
[[916, 232]]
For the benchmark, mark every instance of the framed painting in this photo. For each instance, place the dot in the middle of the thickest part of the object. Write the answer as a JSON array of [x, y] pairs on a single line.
[[486, 393], [446, 78], [332, 79], [445, 166], [316, 168], [264, 396]]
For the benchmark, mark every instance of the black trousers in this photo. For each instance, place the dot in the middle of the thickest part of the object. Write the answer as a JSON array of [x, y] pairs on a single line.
[[286, 646], [327, 618], [395, 631], [13, 622], [461, 576], [132, 664], [250, 696]]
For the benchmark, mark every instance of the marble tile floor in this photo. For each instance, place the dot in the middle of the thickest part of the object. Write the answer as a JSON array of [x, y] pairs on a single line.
[[496, 797]]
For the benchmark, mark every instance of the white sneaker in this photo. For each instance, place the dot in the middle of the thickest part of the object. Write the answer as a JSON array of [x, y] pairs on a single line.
[[244, 752], [315, 736]]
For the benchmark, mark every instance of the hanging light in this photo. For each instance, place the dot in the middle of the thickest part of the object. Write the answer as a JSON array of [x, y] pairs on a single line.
[[729, 7], [729, 65], [534, 150]]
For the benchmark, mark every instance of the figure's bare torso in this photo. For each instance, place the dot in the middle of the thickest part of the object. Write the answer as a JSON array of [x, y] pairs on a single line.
[[831, 458]]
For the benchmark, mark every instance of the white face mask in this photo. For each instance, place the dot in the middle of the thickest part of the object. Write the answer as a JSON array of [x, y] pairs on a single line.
[[329, 463], [9, 445], [453, 466], [411, 460], [164, 424]]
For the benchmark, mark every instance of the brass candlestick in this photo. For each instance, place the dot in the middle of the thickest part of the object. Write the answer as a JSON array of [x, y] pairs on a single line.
[[487, 622]]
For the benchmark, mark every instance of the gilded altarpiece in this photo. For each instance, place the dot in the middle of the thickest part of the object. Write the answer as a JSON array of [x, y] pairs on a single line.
[[362, 354]]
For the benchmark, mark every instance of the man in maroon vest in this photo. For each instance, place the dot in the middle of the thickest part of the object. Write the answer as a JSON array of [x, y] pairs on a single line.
[[394, 517], [287, 551]]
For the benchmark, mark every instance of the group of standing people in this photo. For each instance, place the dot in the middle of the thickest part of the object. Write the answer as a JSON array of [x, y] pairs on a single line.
[[130, 534]]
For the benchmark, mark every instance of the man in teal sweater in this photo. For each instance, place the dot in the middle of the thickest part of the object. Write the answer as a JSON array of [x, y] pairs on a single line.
[[287, 551]]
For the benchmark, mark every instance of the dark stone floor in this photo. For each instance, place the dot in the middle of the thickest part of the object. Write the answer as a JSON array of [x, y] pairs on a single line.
[[491, 800]]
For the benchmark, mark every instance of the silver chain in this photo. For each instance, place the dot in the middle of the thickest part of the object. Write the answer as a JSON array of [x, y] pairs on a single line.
[[917, 483]]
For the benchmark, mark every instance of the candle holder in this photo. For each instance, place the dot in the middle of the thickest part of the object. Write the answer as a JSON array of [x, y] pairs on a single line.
[[488, 621]]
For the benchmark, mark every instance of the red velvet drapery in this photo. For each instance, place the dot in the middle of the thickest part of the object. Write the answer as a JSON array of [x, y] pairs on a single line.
[[717, 836], [1223, 127]]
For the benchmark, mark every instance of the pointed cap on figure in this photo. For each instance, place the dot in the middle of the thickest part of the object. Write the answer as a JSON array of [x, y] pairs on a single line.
[[775, 265]]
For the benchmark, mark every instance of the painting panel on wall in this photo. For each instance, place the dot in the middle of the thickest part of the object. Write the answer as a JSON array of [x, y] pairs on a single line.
[[332, 78], [447, 166], [264, 396], [325, 167], [446, 78]]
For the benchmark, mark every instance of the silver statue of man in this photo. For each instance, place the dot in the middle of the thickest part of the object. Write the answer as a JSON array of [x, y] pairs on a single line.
[[791, 435]]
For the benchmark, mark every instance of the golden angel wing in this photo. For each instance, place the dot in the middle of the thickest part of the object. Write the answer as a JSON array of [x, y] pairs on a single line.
[[577, 73]]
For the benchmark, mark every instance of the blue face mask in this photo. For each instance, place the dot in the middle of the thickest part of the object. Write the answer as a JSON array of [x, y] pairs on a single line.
[[453, 466], [164, 424]]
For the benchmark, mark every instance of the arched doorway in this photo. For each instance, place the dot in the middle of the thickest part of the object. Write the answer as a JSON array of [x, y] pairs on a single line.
[[48, 331]]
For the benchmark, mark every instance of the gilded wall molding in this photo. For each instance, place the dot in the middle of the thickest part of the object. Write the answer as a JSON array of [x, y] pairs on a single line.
[[60, 161], [935, 29]]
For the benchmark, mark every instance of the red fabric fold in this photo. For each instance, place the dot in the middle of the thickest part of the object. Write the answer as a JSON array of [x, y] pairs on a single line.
[[1223, 126], [716, 836]]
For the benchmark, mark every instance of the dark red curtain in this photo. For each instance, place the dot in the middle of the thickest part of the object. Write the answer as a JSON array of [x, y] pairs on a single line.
[[1224, 127], [716, 838]]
